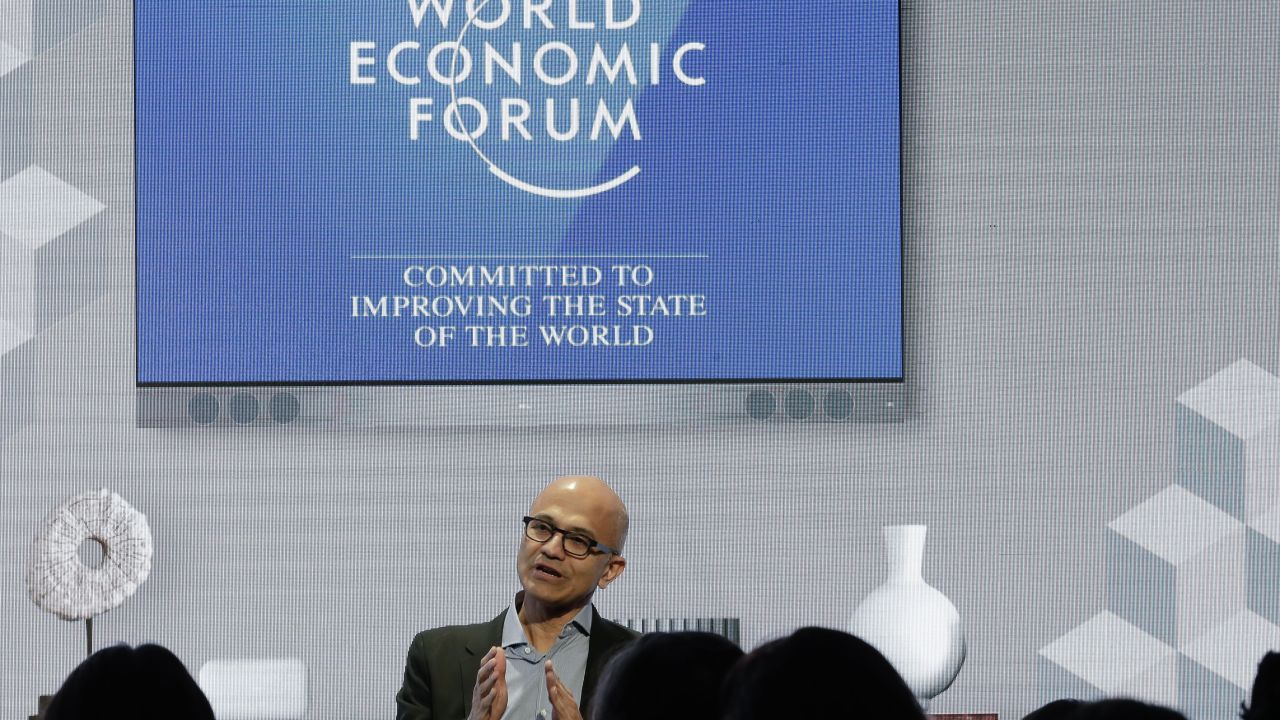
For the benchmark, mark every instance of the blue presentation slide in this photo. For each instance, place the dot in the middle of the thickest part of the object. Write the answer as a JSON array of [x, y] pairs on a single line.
[[458, 191]]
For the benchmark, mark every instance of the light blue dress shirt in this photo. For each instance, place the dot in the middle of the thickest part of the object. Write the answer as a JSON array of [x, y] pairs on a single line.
[[527, 697]]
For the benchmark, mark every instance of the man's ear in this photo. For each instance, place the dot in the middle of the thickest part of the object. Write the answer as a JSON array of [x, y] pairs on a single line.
[[611, 571]]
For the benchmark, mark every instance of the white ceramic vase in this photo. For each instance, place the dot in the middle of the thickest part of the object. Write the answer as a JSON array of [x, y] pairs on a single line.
[[909, 622]]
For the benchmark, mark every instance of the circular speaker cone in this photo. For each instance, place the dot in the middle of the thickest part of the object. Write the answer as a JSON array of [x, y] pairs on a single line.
[[800, 404], [838, 405], [243, 408], [203, 408], [761, 404], [284, 407]]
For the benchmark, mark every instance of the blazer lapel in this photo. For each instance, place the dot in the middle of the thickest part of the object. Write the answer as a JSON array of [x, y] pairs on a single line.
[[489, 635], [606, 638]]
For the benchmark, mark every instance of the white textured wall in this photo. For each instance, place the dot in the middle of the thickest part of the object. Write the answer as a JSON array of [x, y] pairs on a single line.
[[1092, 227]]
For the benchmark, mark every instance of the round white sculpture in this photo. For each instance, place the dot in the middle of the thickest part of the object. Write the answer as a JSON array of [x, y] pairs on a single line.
[[60, 583], [913, 625]]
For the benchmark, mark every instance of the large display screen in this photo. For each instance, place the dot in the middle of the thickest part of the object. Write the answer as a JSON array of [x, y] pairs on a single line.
[[453, 191]]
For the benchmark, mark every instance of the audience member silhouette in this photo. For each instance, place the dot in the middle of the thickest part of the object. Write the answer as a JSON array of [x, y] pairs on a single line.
[[119, 682], [814, 672], [1264, 703], [674, 676], [1056, 710], [1123, 709], [817, 673]]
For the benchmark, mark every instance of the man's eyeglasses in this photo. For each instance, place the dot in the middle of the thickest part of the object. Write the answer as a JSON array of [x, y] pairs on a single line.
[[575, 543]]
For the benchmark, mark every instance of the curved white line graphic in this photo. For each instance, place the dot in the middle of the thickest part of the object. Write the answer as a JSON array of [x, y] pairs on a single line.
[[503, 175]]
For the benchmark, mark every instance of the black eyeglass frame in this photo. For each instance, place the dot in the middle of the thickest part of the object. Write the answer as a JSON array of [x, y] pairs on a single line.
[[592, 544]]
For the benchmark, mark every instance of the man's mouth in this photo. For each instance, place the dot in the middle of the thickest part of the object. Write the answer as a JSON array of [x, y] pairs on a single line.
[[547, 570]]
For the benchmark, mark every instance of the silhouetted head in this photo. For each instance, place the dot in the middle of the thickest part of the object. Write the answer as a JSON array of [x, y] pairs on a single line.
[[817, 673], [1124, 710], [124, 683], [1264, 703], [674, 676], [1056, 710]]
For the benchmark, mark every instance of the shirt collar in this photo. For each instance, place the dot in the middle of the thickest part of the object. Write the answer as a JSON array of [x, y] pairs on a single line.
[[513, 632]]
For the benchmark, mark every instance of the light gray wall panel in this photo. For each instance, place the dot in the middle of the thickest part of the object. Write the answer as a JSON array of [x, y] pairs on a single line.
[[1093, 230]]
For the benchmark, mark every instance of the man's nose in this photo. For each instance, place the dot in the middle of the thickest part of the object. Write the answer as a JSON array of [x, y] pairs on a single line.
[[554, 546]]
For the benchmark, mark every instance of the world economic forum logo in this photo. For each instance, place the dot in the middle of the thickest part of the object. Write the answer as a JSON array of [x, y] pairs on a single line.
[[535, 50]]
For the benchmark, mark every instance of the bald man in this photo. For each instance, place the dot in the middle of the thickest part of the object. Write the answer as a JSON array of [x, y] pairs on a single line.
[[541, 657]]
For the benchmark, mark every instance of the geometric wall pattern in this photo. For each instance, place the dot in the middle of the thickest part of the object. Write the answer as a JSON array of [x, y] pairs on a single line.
[[1193, 572], [37, 213], [43, 251]]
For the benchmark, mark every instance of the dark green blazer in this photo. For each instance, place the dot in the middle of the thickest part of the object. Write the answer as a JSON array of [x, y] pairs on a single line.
[[440, 671]]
